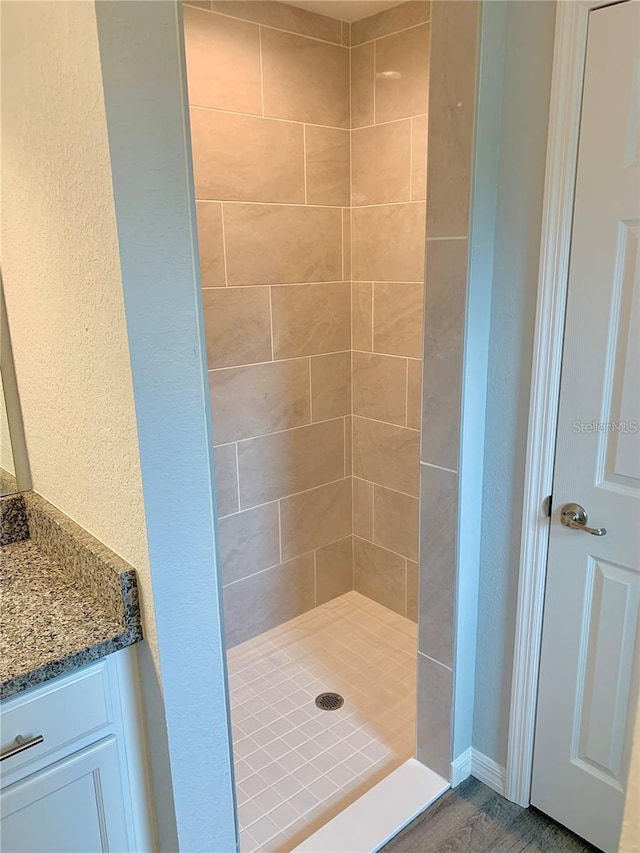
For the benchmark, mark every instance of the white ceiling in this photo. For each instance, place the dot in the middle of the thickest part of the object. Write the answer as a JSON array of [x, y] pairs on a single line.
[[345, 10]]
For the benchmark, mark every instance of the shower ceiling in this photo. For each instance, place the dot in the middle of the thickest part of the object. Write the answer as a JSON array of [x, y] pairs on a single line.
[[344, 10]]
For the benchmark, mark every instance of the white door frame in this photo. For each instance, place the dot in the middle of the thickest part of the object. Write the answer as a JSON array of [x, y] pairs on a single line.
[[562, 153]]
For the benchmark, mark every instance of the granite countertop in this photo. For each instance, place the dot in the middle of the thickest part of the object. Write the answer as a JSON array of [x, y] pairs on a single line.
[[66, 600]]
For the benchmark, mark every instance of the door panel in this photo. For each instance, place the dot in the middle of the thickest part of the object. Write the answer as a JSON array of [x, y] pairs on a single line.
[[591, 639]]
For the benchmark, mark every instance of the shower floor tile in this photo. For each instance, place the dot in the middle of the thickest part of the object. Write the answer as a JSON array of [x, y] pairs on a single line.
[[296, 765]]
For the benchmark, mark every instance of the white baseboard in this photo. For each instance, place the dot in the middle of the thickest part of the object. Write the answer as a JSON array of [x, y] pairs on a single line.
[[485, 769]]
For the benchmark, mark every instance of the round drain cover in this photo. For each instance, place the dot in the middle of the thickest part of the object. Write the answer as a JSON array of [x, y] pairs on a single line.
[[329, 701]]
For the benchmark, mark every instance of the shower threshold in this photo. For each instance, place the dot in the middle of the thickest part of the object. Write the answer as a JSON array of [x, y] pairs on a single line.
[[299, 766]]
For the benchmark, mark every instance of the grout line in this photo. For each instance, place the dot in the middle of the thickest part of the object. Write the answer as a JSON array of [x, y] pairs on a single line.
[[224, 249], [310, 393], [290, 495], [394, 33], [237, 476], [443, 665], [377, 544], [279, 361], [373, 315], [367, 126], [261, 68], [433, 239], [315, 578], [439, 467], [280, 530], [375, 58], [411, 159], [341, 239], [270, 330], [276, 118], [304, 162], [406, 395]]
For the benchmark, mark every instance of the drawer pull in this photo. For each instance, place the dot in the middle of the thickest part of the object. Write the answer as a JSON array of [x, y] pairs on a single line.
[[19, 745]]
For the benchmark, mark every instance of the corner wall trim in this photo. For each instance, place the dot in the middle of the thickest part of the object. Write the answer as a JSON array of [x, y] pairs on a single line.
[[481, 767]]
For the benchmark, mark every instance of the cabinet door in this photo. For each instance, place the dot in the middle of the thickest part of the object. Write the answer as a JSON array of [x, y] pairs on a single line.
[[74, 806]]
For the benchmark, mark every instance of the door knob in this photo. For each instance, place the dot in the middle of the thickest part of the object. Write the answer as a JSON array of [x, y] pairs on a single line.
[[574, 516]]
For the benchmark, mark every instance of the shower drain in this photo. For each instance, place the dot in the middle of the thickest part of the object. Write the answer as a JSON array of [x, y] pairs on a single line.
[[329, 701]]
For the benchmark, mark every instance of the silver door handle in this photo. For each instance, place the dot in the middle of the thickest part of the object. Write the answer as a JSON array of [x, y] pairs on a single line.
[[19, 745], [574, 516]]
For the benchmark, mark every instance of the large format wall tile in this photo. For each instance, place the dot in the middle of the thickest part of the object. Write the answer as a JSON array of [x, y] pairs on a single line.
[[315, 518], [226, 469], [310, 319], [414, 393], [231, 153], [379, 574], [380, 163], [249, 542], [386, 454], [402, 74], [260, 398], [396, 521], [445, 294], [328, 162], [330, 386], [305, 80], [281, 244], [284, 463], [262, 601], [237, 325], [453, 59], [439, 525], [223, 62], [363, 509], [380, 387], [388, 242], [398, 311], [362, 315], [362, 85], [390, 21], [419, 158], [210, 243], [433, 723], [412, 590], [282, 16], [334, 570]]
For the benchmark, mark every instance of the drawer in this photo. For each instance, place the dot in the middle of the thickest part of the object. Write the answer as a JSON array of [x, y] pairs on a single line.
[[62, 711]]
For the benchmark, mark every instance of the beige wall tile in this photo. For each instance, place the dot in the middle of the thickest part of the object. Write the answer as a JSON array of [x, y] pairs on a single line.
[[412, 590], [282, 16], [346, 244], [346, 33], [445, 294], [331, 386], [414, 393], [451, 118], [419, 158], [386, 454], [362, 85], [274, 244], [237, 325], [380, 387], [223, 62], [433, 723], [310, 318], [398, 311], [258, 603], [285, 463], [224, 460], [328, 164], [315, 518], [381, 163], [305, 80], [390, 21], [249, 542], [363, 509], [260, 398], [246, 158], [348, 445], [361, 315], [395, 521], [210, 243], [379, 574], [334, 570], [438, 531], [387, 242], [199, 4], [405, 93]]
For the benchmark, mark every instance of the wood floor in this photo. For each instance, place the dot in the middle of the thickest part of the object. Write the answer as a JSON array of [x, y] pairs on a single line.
[[474, 818]]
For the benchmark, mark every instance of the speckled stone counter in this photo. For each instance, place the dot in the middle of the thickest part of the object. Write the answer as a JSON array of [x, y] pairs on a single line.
[[66, 600]]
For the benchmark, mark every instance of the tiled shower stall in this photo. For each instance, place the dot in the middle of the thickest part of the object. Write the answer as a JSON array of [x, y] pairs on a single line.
[[309, 138]]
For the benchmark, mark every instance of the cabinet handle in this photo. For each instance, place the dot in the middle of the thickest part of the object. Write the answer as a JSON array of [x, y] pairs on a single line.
[[19, 745]]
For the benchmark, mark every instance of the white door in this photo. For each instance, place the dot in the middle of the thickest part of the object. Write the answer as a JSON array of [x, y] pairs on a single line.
[[588, 688], [74, 806]]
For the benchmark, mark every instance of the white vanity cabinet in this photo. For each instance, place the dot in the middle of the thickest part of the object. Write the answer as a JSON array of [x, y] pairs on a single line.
[[78, 785]]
